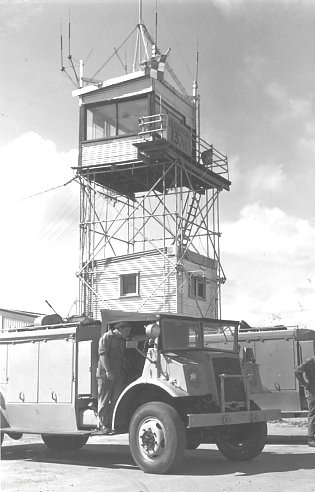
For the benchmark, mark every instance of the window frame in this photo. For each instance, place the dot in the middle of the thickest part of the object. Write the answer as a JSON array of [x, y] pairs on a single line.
[[194, 282], [116, 103], [130, 294]]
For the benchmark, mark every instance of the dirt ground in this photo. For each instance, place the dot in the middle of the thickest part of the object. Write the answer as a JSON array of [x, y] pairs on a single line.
[[105, 464]]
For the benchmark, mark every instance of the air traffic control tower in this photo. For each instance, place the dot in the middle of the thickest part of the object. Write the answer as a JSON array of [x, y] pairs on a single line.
[[149, 225]]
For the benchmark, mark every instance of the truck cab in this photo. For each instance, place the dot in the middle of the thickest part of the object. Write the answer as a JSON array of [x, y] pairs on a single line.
[[178, 392]]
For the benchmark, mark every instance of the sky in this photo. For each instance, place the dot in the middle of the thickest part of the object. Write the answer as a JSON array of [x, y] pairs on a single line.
[[257, 86]]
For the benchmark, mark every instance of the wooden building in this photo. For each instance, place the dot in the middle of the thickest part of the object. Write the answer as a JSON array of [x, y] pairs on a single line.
[[149, 197], [11, 319]]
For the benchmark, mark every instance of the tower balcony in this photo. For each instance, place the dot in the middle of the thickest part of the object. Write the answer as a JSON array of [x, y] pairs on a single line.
[[163, 145]]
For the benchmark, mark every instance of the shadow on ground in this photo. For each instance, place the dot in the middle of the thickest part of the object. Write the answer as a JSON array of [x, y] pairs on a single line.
[[200, 462]]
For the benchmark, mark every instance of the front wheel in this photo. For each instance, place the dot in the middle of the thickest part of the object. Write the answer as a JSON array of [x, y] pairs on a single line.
[[243, 442], [157, 437], [63, 442]]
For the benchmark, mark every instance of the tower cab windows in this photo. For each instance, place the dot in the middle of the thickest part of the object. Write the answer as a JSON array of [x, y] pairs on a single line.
[[115, 118]]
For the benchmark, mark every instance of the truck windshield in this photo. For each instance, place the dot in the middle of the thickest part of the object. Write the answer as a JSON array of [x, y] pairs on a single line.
[[178, 334], [215, 332]]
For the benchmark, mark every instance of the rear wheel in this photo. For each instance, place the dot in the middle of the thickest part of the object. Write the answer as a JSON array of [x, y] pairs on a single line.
[[156, 437], [63, 442], [243, 442]]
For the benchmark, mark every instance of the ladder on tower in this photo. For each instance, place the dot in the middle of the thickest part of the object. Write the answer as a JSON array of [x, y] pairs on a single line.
[[190, 219]]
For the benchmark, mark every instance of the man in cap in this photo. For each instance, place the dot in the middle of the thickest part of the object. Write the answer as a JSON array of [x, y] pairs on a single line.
[[305, 373], [110, 372]]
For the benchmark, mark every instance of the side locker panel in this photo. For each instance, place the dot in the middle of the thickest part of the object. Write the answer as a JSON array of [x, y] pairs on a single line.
[[277, 362], [56, 371], [22, 372]]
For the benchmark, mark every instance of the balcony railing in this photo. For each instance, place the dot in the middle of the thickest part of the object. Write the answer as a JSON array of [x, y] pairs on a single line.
[[153, 125], [163, 126], [211, 157]]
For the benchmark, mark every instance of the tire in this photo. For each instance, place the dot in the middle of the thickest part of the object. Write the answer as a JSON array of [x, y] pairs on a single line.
[[157, 437], [63, 442], [243, 442], [193, 439]]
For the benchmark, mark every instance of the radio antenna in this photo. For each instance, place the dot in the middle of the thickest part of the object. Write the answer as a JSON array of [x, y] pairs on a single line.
[[70, 58], [63, 68], [61, 50], [51, 307], [156, 22], [197, 62], [197, 100], [69, 36]]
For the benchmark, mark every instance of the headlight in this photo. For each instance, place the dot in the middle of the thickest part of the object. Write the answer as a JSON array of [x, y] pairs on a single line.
[[153, 330]]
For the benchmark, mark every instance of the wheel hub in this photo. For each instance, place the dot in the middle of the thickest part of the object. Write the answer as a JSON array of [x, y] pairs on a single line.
[[151, 438]]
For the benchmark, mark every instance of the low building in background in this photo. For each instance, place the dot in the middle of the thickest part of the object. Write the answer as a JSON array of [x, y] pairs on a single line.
[[11, 319]]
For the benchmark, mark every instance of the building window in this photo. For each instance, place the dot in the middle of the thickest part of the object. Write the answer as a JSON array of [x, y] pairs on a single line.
[[197, 286], [129, 284], [111, 119]]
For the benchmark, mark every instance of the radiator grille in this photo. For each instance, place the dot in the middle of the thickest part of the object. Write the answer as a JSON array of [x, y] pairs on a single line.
[[234, 387]]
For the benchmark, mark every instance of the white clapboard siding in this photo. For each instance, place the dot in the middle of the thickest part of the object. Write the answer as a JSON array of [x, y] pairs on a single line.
[[161, 287], [109, 152], [159, 295], [189, 305]]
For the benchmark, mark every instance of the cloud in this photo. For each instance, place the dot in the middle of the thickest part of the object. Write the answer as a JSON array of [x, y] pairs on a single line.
[[306, 143], [40, 251], [234, 169], [289, 108], [14, 19], [266, 178], [267, 295], [254, 69], [34, 165], [268, 259], [229, 7], [270, 233]]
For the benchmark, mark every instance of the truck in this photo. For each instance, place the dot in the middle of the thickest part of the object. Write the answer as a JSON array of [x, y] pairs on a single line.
[[269, 355], [178, 392]]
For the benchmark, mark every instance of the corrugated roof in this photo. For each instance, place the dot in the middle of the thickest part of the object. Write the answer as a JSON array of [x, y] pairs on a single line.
[[24, 313]]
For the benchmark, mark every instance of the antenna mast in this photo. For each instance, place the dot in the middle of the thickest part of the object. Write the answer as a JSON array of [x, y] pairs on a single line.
[[156, 23], [63, 69], [197, 99], [69, 53]]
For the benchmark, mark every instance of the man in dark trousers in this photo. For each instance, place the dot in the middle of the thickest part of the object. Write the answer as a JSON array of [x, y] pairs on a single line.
[[110, 372], [305, 373]]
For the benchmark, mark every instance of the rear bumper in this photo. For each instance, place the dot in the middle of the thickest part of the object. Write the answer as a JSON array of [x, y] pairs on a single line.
[[230, 418]]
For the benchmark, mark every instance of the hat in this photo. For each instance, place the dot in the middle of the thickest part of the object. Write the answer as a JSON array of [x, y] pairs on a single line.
[[122, 324]]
